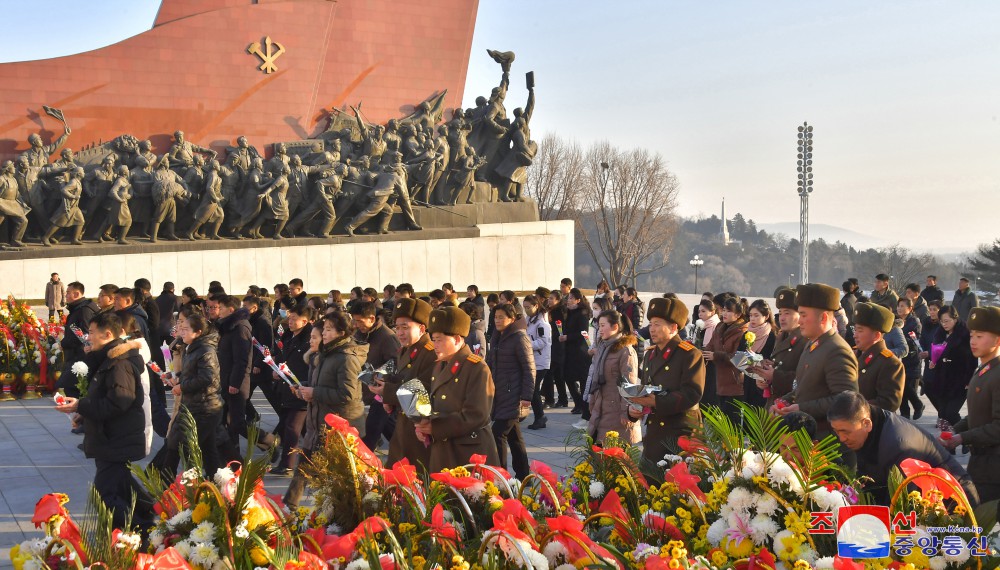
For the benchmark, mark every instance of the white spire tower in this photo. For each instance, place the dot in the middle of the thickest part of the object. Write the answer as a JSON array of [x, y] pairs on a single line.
[[724, 230]]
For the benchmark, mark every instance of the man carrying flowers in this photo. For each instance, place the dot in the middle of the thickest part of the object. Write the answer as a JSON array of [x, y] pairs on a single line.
[[678, 368], [112, 413]]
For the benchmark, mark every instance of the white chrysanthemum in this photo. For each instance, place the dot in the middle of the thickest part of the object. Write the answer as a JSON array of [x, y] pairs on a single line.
[[155, 538], [716, 532], [204, 532], [762, 528], [514, 485], [781, 472], [671, 459], [223, 477], [938, 562], [555, 551], [536, 558], [807, 553], [740, 499], [596, 489], [767, 505], [359, 564], [372, 497], [825, 563], [959, 558], [179, 519], [204, 554], [184, 549], [129, 540], [192, 474], [80, 368], [241, 530], [338, 530], [780, 537]]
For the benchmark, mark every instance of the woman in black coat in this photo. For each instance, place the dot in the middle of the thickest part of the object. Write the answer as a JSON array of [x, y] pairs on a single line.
[[199, 387], [952, 370], [576, 363], [512, 363]]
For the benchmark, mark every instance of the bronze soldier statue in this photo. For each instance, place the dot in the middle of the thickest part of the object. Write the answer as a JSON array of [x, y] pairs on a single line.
[[119, 214], [210, 209], [11, 207], [68, 214], [182, 152], [168, 187]]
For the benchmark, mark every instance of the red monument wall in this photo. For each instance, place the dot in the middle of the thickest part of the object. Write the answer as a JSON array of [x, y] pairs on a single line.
[[192, 72]]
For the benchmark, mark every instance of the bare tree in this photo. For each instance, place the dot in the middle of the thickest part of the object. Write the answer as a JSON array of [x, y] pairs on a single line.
[[899, 263], [555, 177], [627, 220]]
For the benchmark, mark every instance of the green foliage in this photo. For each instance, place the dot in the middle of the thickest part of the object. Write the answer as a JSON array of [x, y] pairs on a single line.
[[96, 528]]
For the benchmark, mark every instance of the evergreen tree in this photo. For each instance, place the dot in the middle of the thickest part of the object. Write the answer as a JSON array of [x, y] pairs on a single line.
[[986, 265]]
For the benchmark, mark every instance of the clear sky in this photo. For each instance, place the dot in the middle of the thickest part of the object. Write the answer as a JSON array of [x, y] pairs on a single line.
[[904, 97]]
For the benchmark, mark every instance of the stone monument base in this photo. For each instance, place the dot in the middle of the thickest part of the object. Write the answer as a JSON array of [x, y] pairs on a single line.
[[494, 256]]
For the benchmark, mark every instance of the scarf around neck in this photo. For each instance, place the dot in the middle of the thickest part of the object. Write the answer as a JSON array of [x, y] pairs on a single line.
[[761, 333], [602, 351]]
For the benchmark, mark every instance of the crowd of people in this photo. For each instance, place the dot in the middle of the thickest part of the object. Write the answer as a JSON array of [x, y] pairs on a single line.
[[831, 363]]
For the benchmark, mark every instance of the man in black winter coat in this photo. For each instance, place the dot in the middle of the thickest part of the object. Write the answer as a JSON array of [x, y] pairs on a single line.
[[383, 346], [167, 303], [81, 310], [932, 292], [296, 294], [125, 303], [260, 373], [111, 413], [235, 346], [882, 440], [145, 300]]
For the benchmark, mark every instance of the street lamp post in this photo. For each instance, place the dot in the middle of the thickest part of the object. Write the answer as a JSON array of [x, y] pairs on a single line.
[[790, 277], [696, 263], [805, 188]]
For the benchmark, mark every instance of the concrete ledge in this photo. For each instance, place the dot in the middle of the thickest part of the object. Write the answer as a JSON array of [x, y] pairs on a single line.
[[514, 256]]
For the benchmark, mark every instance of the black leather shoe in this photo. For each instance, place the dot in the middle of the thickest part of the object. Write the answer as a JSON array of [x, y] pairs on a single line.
[[539, 423], [917, 412], [576, 410]]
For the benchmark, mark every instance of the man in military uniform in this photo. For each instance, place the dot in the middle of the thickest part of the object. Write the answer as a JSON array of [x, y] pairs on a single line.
[[678, 368], [118, 213], [827, 366], [882, 376], [778, 373], [461, 397], [981, 428], [883, 295], [416, 360]]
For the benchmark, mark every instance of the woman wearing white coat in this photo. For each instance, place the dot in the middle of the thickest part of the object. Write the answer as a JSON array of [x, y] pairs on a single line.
[[540, 333]]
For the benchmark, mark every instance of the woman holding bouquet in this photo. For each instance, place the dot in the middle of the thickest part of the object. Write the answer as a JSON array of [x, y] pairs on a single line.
[[727, 340], [706, 324], [952, 369], [761, 323], [615, 359]]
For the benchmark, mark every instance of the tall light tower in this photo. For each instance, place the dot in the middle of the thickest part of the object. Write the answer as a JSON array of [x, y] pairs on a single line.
[[805, 188]]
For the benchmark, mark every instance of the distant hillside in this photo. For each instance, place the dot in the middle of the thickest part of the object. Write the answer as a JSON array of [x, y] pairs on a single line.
[[831, 234]]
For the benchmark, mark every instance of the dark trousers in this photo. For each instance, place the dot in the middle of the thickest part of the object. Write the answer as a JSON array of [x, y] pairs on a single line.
[[536, 398], [267, 387], [710, 395], [508, 433], [294, 420], [378, 424], [158, 406], [910, 396], [752, 394], [207, 426], [948, 406], [236, 419], [559, 384], [298, 485], [114, 482], [985, 473]]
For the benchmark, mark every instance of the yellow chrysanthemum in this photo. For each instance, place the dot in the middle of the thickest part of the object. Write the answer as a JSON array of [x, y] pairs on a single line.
[[258, 557], [738, 549], [257, 516], [200, 513]]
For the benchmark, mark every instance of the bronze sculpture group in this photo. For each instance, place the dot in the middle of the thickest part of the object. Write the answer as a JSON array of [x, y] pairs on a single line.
[[355, 173]]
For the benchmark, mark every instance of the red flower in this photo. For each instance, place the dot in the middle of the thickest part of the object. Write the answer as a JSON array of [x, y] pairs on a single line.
[[168, 559], [340, 546], [685, 481], [569, 529], [689, 445], [372, 526], [656, 563], [477, 459], [543, 471], [441, 530], [402, 474], [454, 367]]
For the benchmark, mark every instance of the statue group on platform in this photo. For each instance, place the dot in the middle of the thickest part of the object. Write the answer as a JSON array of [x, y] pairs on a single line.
[[355, 176]]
